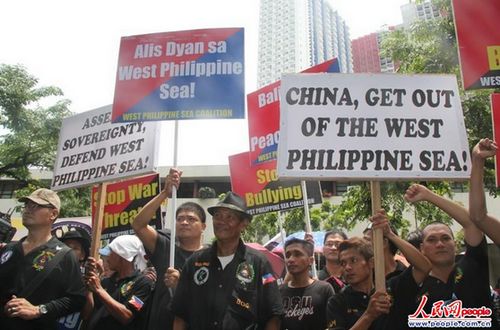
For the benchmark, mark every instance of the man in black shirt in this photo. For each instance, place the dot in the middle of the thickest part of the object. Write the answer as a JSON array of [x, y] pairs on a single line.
[[468, 279], [357, 306], [228, 285], [43, 260], [190, 224], [332, 272], [304, 299], [119, 299]]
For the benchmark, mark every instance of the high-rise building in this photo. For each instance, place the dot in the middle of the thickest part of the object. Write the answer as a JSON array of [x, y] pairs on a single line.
[[412, 12], [297, 34], [366, 53]]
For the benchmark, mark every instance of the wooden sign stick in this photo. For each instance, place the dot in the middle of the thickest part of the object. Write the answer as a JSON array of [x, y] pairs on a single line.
[[378, 240], [97, 224]]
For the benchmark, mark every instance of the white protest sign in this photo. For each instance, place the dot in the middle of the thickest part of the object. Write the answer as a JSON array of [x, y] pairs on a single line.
[[91, 149], [372, 126]]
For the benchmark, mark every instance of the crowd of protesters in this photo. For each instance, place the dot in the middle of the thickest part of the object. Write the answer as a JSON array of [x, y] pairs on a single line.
[[50, 283]]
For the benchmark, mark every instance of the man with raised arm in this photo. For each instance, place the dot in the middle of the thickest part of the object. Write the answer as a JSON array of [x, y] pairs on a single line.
[[477, 203], [190, 224], [466, 280], [358, 306]]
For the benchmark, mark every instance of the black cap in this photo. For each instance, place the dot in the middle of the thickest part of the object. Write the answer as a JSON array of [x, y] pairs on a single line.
[[234, 202], [80, 235]]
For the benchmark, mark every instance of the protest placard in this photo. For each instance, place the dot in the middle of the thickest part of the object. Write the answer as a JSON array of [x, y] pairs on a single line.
[[195, 74], [91, 149], [372, 126], [263, 191], [478, 38], [264, 116], [122, 203]]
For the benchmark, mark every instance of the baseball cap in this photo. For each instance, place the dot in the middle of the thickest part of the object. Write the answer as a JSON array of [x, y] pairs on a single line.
[[43, 196]]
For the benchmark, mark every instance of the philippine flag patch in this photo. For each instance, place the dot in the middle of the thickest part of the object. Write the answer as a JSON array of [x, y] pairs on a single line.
[[268, 278], [136, 302]]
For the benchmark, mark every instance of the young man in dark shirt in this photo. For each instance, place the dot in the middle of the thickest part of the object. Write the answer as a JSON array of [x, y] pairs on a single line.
[[59, 292], [332, 272], [466, 280], [304, 299], [190, 224], [357, 306]]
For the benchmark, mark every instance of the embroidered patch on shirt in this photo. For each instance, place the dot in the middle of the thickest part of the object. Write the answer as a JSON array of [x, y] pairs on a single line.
[[268, 278], [201, 276], [40, 261], [245, 273], [5, 256], [125, 288], [136, 302]]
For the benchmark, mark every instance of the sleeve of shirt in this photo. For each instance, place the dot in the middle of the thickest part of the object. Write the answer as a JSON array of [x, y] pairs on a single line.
[[403, 291], [73, 299], [141, 291], [478, 253], [160, 258], [180, 302], [335, 313], [272, 304]]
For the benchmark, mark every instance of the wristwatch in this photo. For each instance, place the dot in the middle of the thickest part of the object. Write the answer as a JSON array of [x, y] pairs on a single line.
[[43, 310]]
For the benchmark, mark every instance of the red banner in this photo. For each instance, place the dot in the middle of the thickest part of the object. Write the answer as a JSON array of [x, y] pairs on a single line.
[[123, 201], [261, 189], [264, 116], [478, 37]]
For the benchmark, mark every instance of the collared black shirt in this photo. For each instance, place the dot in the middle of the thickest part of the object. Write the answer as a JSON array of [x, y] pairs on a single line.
[[132, 291], [468, 282], [160, 315], [346, 307], [241, 295], [62, 291]]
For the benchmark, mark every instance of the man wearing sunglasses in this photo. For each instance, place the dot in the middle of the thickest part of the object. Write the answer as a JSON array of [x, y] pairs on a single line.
[[40, 276]]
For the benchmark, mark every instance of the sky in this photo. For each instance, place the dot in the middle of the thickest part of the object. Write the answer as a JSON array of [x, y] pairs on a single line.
[[74, 45]]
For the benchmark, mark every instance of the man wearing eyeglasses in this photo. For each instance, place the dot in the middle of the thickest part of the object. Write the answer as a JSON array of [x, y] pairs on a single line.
[[190, 224], [40, 276]]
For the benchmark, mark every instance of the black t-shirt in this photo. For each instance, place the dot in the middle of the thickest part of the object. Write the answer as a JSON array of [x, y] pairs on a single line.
[[468, 282], [305, 308], [241, 295], [160, 316], [62, 291], [132, 291], [403, 291]]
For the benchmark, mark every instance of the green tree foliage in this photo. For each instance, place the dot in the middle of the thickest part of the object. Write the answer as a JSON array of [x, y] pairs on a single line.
[[31, 131], [30, 134]]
